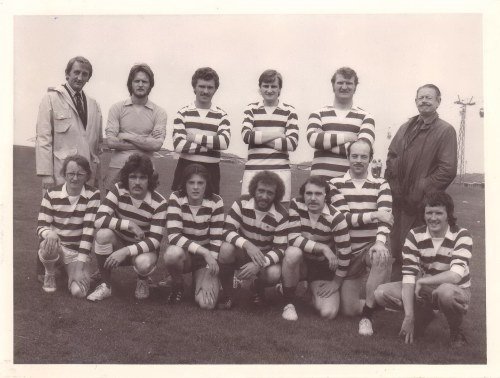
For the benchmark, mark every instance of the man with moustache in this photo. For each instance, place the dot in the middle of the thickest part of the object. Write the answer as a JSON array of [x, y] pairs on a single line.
[[366, 203], [130, 224], [201, 129], [422, 158], [255, 234], [135, 125], [69, 123], [332, 128]]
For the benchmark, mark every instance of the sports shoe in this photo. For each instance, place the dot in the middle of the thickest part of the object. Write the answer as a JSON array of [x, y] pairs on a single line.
[[165, 282], [49, 283], [225, 303], [289, 313], [142, 289], [101, 292], [176, 295], [457, 338], [365, 327]]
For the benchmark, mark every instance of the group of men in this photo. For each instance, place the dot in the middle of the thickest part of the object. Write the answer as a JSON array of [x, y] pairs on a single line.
[[343, 223]]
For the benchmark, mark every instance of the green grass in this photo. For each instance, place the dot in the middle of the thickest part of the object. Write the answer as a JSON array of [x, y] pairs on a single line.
[[59, 329]]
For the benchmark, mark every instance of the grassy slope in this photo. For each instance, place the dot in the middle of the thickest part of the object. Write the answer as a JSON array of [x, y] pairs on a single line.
[[59, 329]]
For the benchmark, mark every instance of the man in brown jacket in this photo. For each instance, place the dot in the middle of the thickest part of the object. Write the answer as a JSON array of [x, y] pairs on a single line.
[[422, 158]]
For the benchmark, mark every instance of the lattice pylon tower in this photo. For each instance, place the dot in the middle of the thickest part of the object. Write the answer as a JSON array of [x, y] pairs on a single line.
[[461, 138]]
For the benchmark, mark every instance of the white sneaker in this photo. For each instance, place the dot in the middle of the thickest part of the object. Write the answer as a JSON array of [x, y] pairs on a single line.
[[49, 283], [365, 327], [289, 312], [142, 289], [101, 292]]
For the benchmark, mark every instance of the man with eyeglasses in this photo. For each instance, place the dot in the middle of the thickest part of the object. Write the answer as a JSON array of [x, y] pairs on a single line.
[[422, 158]]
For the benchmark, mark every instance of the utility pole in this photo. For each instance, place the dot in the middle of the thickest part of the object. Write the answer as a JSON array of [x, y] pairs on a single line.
[[461, 137]]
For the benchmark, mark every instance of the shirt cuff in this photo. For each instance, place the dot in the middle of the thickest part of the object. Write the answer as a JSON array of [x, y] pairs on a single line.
[[82, 257], [239, 242], [382, 238], [134, 251], [458, 269], [124, 225], [409, 279]]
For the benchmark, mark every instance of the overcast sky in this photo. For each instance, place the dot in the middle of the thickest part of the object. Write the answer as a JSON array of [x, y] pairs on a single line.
[[393, 55]]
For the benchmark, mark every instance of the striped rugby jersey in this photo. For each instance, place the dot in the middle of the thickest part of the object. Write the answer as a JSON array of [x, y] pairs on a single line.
[[357, 206], [73, 223], [212, 134], [190, 231], [269, 234], [274, 154], [325, 133], [330, 229], [117, 211], [454, 254]]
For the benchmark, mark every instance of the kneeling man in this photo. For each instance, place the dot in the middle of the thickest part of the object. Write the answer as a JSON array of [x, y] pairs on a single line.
[[319, 249], [66, 226], [255, 235], [130, 224], [366, 203], [435, 270]]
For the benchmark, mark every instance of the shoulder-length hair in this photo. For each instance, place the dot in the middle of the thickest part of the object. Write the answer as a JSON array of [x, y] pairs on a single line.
[[267, 178], [318, 181], [440, 198], [141, 67], [139, 163]]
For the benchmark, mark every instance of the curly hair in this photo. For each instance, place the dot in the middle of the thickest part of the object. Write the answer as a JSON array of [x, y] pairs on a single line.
[[191, 170], [318, 181], [205, 73], [141, 67], [268, 178], [139, 163], [440, 198], [80, 160], [348, 73]]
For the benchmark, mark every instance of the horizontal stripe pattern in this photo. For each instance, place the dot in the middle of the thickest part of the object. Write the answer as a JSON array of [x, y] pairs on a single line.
[[73, 223], [117, 211], [274, 154], [325, 133], [331, 229], [190, 231], [269, 234], [357, 205], [454, 254], [212, 134]]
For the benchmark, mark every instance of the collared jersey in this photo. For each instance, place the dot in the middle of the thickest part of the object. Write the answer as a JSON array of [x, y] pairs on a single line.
[[272, 155], [190, 231], [118, 210], [138, 120], [73, 223], [326, 134], [268, 234], [330, 229], [357, 205], [454, 254], [212, 134]]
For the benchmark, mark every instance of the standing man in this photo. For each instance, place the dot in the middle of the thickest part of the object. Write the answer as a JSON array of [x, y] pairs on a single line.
[[135, 124], [422, 158], [319, 250], [270, 130], [69, 123], [130, 224], [366, 203], [436, 275], [255, 235], [201, 129], [332, 128]]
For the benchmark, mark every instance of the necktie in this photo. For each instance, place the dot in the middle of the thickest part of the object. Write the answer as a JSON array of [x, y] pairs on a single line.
[[79, 108]]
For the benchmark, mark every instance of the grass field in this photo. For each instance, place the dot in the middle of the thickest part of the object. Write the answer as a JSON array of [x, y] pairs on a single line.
[[59, 329]]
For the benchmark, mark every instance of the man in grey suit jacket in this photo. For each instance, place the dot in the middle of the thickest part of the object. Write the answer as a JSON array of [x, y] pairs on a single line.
[[69, 122]]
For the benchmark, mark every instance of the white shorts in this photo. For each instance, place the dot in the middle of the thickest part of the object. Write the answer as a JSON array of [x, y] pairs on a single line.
[[68, 256], [285, 175]]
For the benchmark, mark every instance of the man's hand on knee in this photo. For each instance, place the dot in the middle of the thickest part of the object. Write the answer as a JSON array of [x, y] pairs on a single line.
[[116, 258]]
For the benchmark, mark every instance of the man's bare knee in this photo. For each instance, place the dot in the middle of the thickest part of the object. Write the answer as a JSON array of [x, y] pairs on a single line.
[[328, 312], [104, 236], [272, 274], [174, 255], [145, 264], [226, 253], [293, 256], [77, 291]]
